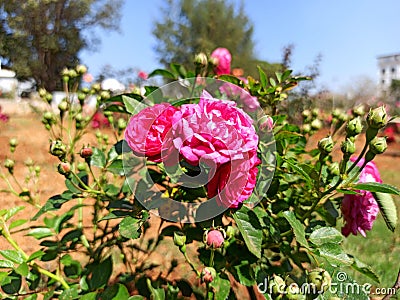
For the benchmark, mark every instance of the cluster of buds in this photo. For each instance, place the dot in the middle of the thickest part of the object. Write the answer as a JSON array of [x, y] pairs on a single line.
[[45, 95], [325, 145], [48, 119], [121, 125], [9, 165], [68, 74], [180, 241], [80, 121], [376, 119], [311, 121], [13, 142]]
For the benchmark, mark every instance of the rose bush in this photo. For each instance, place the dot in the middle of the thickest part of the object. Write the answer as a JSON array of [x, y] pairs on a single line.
[[283, 198]]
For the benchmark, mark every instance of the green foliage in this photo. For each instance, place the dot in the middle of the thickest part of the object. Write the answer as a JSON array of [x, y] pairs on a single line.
[[39, 38]]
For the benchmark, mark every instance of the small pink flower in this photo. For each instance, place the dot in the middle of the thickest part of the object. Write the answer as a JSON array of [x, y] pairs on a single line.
[[87, 77], [224, 59], [146, 131], [215, 239], [360, 210], [143, 75]]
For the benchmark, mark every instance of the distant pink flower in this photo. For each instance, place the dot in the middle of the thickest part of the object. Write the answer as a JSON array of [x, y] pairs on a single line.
[[360, 210], [224, 59], [146, 131], [87, 77], [3, 117], [99, 120], [143, 75]]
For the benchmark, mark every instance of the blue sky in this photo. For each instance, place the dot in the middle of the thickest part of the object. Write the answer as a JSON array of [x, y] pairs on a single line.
[[349, 34]]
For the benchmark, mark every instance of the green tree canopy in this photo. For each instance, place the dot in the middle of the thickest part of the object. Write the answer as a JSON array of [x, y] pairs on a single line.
[[38, 38], [188, 27]]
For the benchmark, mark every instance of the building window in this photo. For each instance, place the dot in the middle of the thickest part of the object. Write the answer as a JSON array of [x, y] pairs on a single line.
[[393, 70], [383, 71], [383, 81]]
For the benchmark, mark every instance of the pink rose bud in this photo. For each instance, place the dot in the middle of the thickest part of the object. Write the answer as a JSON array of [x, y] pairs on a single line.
[[266, 123], [224, 58], [86, 152], [208, 274], [64, 168], [215, 239]]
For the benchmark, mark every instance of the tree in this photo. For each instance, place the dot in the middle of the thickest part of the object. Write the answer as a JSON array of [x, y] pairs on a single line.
[[38, 38], [188, 27]]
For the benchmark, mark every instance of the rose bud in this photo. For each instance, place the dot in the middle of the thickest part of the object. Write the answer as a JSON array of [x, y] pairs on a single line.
[[200, 60], [315, 112], [325, 145], [320, 279], [359, 110], [306, 128], [42, 92], [64, 168], [230, 232], [81, 69], [179, 238], [86, 152], [334, 168], [214, 239], [378, 145], [354, 127], [121, 124], [63, 106], [9, 164], [105, 95], [316, 124], [13, 142], [57, 148], [348, 147], [306, 114], [266, 123], [377, 118], [208, 274]]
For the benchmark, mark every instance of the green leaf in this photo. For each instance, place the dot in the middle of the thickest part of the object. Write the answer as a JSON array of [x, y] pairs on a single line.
[[12, 211], [54, 203], [245, 273], [163, 73], [40, 233], [6, 264], [365, 269], [156, 294], [115, 292], [101, 274], [300, 171], [334, 254], [298, 228], [263, 77], [221, 286], [70, 294], [35, 255], [116, 167], [98, 158], [130, 228], [12, 283], [17, 223], [13, 255], [230, 78], [136, 297], [89, 296], [377, 187], [326, 235], [22, 269], [387, 208], [132, 105], [250, 228]]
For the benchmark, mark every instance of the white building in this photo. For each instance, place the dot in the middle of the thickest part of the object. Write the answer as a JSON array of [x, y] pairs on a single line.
[[8, 82], [389, 69]]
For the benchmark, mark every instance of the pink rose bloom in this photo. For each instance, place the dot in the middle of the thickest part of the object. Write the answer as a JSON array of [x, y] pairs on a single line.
[[215, 131], [234, 182], [143, 75], [215, 239], [224, 59], [360, 210], [146, 131]]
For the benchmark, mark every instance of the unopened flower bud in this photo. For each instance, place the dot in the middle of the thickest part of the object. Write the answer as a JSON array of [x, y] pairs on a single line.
[[334, 168], [96, 87], [213, 61], [13, 143], [315, 112], [179, 238], [72, 73], [81, 69], [336, 112], [42, 92], [63, 105], [81, 166], [49, 97], [359, 110], [105, 95], [9, 164], [28, 162], [306, 113], [64, 168], [86, 152], [320, 278], [266, 123], [354, 127], [208, 274], [121, 124], [348, 147], [306, 128], [57, 148], [48, 116], [377, 118], [81, 96], [214, 238], [378, 145], [200, 60], [316, 124], [37, 170], [230, 232], [325, 145]]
